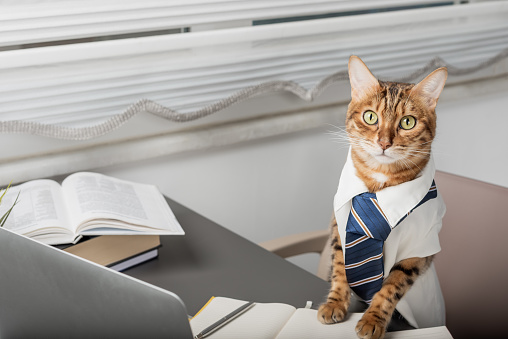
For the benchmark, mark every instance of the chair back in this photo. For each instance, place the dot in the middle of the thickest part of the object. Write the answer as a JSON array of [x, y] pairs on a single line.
[[472, 263]]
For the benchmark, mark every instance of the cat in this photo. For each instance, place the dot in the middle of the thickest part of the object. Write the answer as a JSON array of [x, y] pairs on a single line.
[[390, 127]]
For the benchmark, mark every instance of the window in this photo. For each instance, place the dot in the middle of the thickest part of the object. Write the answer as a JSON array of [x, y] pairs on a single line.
[[104, 76]]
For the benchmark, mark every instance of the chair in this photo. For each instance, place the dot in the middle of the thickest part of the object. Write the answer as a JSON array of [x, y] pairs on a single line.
[[301, 243], [471, 265]]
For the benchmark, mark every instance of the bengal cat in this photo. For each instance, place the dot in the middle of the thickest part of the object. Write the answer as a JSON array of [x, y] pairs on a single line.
[[390, 127]]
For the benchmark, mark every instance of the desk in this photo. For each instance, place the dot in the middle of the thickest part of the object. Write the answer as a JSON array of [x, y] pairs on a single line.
[[213, 261]]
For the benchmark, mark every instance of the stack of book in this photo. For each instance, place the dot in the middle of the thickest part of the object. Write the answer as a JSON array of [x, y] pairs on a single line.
[[112, 222]]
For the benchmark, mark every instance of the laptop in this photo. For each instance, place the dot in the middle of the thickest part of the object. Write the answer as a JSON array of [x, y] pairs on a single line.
[[48, 293]]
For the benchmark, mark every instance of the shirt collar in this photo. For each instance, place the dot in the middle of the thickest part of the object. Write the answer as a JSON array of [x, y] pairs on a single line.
[[395, 201]]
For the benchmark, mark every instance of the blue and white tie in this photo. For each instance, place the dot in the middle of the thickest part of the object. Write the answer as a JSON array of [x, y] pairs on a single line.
[[366, 231]]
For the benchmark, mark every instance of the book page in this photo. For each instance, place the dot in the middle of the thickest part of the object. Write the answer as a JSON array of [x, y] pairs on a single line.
[[40, 212], [262, 320], [104, 205]]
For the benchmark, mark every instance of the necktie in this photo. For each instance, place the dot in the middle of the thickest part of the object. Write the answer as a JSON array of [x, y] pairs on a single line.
[[366, 231]]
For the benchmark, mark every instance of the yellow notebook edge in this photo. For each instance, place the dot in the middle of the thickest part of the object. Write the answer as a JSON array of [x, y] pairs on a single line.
[[202, 308]]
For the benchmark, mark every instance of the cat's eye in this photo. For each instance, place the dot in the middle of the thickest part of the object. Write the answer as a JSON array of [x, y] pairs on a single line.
[[407, 122], [370, 117]]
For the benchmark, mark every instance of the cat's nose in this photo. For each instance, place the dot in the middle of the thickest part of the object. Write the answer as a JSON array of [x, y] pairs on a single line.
[[384, 143]]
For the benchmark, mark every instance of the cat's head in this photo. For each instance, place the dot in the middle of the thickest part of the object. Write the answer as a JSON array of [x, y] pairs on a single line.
[[391, 125]]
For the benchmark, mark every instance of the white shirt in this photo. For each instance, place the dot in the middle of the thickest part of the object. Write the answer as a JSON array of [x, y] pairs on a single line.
[[415, 236]]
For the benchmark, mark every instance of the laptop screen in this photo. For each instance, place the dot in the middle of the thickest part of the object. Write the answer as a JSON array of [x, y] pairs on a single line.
[[45, 292]]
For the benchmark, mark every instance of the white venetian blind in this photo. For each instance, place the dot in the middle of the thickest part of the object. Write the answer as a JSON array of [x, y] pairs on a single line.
[[79, 69]]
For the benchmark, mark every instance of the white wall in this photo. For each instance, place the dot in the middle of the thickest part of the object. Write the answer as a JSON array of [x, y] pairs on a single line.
[[472, 137], [260, 190], [285, 184]]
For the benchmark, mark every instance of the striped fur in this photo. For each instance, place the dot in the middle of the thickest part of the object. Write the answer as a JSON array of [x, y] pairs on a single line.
[[384, 151], [337, 302]]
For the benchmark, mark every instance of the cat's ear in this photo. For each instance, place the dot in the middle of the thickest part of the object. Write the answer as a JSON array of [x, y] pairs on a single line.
[[430, 88], [361, 79]]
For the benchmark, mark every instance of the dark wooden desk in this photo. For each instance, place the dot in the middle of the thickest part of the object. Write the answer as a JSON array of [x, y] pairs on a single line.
[[213, 261]]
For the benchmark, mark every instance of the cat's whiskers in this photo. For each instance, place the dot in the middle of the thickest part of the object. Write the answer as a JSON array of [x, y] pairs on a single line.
[[353, 140], [415, 150], [343, 142], [407, 165], [418, 153], [341, 136], [415, 165]]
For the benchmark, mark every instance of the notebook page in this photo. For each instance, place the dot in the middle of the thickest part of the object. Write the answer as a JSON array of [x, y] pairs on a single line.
[[304, 324], [440, 332], [259, 321]]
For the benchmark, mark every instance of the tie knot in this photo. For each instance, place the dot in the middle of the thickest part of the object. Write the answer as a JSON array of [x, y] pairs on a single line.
[[366, 195], [367, 218]]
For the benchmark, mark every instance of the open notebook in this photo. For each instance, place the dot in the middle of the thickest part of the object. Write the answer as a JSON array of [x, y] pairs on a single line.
[[281, 321]]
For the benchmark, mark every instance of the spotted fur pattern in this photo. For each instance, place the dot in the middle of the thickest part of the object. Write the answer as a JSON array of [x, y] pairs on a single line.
[[337, 302], [384, 154]]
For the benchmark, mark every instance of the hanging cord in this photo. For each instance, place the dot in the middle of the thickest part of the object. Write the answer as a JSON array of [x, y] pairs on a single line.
[[148, 106]]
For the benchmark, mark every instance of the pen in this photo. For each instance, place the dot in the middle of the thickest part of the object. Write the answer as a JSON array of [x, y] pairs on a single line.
[[223, 320]]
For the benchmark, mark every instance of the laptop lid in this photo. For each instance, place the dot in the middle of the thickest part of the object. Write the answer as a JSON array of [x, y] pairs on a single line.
[[48, 293]]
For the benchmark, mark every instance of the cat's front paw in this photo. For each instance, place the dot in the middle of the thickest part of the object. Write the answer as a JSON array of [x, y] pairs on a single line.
[[332, 312], [371, 326]]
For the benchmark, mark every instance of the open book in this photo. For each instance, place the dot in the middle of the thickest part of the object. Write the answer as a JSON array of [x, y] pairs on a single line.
[[87, 204], [281, 321]]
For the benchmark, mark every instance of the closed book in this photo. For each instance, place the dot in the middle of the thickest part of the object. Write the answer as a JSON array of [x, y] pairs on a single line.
[[118, 252]]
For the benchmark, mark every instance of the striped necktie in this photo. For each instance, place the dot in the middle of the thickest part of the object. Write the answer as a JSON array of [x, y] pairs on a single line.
[[366, 231]]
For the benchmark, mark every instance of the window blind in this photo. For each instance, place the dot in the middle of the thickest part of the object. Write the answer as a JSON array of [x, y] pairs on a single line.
[[56, 83], [25, 22]]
